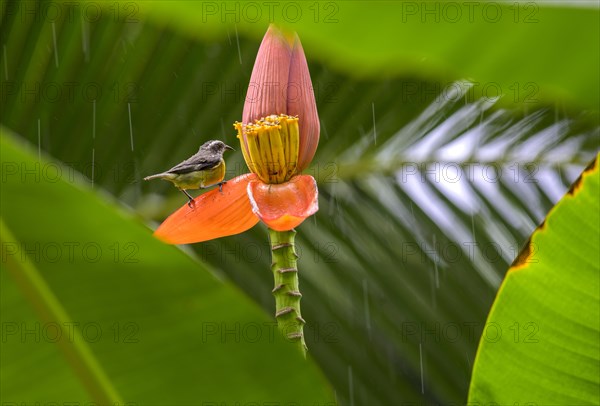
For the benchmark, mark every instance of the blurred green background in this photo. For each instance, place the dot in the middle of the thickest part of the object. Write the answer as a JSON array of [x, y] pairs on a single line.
[[447, 133]]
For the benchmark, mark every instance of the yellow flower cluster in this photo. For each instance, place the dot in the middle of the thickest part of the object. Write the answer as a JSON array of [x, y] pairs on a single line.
[[270, 147]]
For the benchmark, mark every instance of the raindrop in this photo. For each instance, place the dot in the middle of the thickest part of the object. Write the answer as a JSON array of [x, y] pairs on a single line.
[[435, 263], [560, 175], [93, 138], [367, 309], [332, 201], [324, 130], [54, 41], [85, 40], [39, 141], [237, 39], [374, 126], [93, 164], [5, 64], [228, 36], [421, 365], [350, 385], [130, 126], [94, 120]]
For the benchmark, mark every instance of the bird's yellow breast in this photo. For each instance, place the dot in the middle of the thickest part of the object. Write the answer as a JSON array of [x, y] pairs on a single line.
[[201, 179]]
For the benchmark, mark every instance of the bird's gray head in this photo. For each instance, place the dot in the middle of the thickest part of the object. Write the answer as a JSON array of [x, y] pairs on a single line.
[[215, 147]]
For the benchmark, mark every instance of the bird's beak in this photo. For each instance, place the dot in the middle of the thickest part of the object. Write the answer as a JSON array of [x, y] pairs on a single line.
[[229, 148]]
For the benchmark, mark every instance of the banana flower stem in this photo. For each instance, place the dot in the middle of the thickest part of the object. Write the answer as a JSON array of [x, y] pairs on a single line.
[[286, 292]]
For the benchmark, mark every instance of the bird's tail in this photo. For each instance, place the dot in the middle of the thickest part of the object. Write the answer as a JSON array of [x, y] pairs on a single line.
[[157, 176]]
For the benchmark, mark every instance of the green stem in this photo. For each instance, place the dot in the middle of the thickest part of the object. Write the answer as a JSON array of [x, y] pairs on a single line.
[[286, 292]]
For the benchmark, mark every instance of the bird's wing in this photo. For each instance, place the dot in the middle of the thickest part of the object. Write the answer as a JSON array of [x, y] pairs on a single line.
[[194, 164]]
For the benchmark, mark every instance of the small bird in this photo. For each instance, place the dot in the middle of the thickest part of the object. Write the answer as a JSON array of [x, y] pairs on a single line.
[[203, 169]]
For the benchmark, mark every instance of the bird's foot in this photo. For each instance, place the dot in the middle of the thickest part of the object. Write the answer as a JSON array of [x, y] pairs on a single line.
[[191, 202], [221, 185]]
